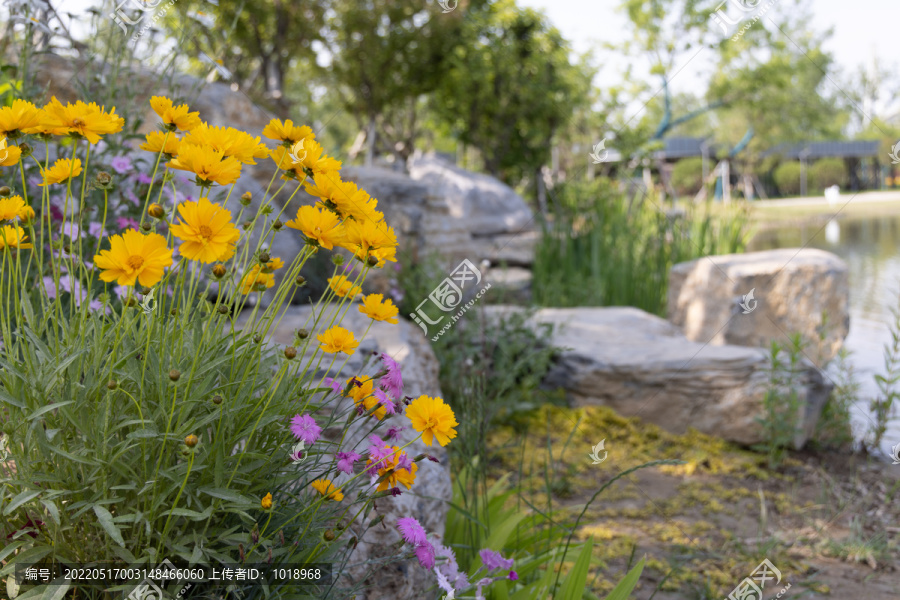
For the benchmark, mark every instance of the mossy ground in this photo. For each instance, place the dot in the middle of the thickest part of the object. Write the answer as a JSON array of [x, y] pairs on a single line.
[[828, 522]]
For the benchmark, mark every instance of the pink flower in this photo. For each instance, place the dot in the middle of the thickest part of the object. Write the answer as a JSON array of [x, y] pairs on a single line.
[[393, 381], [346, 461], [304, 428], [493, 560], [425, 554], [333, 384], [144, 178], [377, 455], [513, 576], [393, 432], [120, 164], [412, 531], [127, 223], [386, 402]]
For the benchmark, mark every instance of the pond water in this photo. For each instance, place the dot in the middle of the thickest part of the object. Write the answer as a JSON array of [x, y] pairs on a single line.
[[871, 248]]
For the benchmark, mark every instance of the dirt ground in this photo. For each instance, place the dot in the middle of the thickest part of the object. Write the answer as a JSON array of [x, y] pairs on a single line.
[[828, 521]]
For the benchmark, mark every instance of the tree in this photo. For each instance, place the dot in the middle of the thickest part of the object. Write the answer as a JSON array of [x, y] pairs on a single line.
[[510, 88]]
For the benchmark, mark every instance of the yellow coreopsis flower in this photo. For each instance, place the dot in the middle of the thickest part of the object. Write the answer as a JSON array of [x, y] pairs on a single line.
[[287, 131], [61, 171], [178, 117], [328, 489], [13, 237], [9, 155], [207, 163], [337, 339], [18, 118], [266, 502], [343, 286], [365, 236], [26, 214], [255, 279], [83, 120], [342, 196], [433, 418], [311, 158], [361, 391], [11, 207], [375, 309], [229, 141], [155, 141], [389, 466], [206, 231], [322, 227], [134, 257], [273, 265]]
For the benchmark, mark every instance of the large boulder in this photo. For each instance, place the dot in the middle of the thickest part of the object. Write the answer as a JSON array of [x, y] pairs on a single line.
[[428, 500], [792, 289], [642, 366]]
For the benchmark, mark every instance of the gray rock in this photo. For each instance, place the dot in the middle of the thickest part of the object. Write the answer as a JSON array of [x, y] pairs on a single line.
[[792, 288], [428, 498], [642, 366]]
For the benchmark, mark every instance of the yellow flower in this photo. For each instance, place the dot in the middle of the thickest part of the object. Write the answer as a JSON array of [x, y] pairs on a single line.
[[343, 196], [155, 140], [375, 309], [273, 265], [26, 214], [13, 237], [388, 466], [15, 119], [287, 131], [266, 502], [207, 163], [362, 394], [177, 116], [338, 339], [229, 141], [323, 227], [83, 120], [433, 418], [61, 170], [9, 155], [312, 159], [206, 231], [343, 286], [256, 279], [10, 207], [134, 257], [367, 236], [327, 489]]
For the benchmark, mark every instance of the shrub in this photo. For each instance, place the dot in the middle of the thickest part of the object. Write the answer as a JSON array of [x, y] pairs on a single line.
[[827, 172], [687, 176], [787, 178], [141, 421]]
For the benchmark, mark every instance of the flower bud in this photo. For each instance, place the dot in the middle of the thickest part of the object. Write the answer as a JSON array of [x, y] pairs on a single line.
[[173, 312], [130, 302], [26, 149], [254, 535], [376, 520], [146, 226], [266, 210], [145, 290], [219, 271], [290, 352], [67, 249], [103, 179], [246, 198], [277, 225], [372, 261], [247, 224], [329, 535], [301, 280], [337, 259], [5, 191], [223, 310], [217, 399], [302, 333], [257, 338], [112, 384], [191, 441], [156, 211], [174, 374], [264, 257]]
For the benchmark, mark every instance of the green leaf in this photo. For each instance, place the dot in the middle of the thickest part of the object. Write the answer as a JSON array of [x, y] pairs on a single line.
[[19, 500], [56, 592], [48, 408], [106, 521], [226, 494], [573, 586], [52, 510], [623, 590], [192, 514]]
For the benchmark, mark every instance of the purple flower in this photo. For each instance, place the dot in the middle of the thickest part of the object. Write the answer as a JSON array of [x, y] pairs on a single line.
[[377, 455], [513, 576], [131, 196], [386, 402], [121, 291], [425, 554], [413, 532], [404, 462], [346, 461], [94, 228], [120, 164], [144, 178], [71, 229], [443, 582], [393, 432], [481, 584], [376, 441], [333, 384], [450, 568], [395, 491], [127, 223], [304, 428], [493, 560], [393, 381]]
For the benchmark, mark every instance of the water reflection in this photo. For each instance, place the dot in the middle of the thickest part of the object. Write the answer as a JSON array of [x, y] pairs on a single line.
[[869, 246]]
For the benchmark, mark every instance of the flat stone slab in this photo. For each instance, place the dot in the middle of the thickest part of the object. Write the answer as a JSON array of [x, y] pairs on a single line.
[[642, 366]]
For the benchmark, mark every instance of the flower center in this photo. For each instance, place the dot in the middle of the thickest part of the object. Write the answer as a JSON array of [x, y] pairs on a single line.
[[135, 262], [77, 122], [205, 231]]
